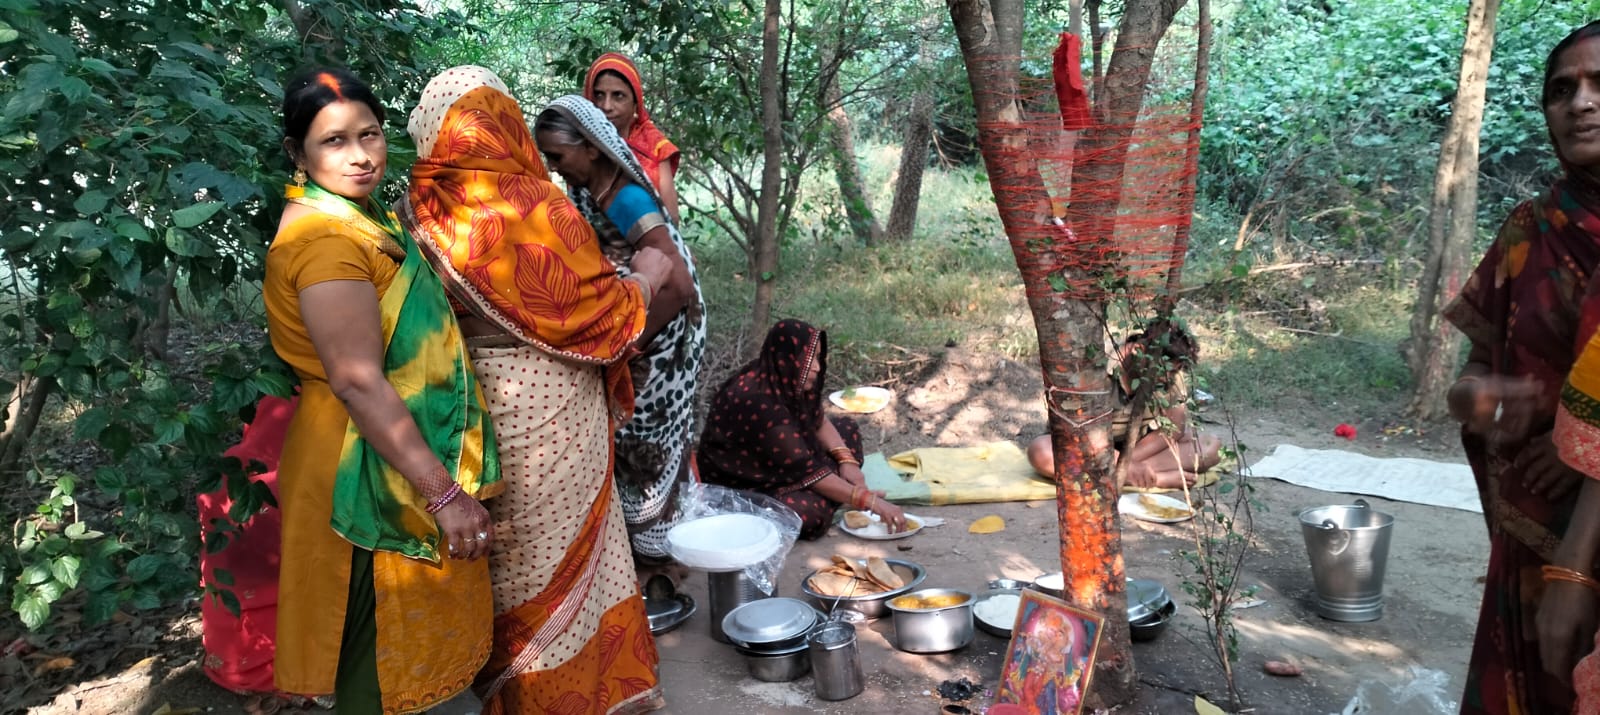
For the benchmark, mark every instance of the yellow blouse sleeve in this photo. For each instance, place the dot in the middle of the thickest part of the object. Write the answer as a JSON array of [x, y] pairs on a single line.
[[328, 256]]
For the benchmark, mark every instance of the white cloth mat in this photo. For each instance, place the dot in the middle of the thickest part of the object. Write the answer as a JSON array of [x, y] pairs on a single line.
[[1419, 481]]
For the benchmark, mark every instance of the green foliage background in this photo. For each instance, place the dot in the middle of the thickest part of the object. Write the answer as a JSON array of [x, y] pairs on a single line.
[[139, 146], [1324, 118]]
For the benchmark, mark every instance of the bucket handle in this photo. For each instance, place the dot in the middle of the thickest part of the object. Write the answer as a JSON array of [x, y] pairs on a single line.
[[1341, 539], [1362, 504]]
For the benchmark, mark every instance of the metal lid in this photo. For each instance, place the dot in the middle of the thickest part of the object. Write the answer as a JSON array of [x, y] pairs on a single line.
[[1145, 598], [769, 620]]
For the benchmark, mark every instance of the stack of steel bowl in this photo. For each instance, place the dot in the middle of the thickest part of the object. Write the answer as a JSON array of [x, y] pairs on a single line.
[[771, 635]]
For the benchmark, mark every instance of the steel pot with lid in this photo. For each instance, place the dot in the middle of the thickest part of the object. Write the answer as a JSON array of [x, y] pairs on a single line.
[[770, 624], [1146, 598]]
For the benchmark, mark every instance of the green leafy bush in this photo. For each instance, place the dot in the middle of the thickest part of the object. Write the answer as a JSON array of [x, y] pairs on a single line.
[[140, 146]]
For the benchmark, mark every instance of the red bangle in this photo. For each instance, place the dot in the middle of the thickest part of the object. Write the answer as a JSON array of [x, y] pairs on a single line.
[[444, 499]]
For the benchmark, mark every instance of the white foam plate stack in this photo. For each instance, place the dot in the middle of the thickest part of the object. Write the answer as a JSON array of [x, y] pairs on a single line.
[[723, 542]]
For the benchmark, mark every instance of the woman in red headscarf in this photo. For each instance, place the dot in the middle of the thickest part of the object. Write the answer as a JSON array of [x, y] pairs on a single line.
[[614, 86]]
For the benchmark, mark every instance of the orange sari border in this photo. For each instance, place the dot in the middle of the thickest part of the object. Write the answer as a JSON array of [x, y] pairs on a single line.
[[522, 631], [627, 672]]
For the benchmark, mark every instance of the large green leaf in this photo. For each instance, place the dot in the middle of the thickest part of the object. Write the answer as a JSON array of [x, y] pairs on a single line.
[[198, 175], [144, 568], [92, 422], [100, 607], [32, 609], [191, 216], [91, 202], [66, 569]]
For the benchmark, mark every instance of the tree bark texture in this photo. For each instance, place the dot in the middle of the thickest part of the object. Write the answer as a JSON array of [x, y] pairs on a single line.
[[1097, 44], [766, 239], [852, 189], [1078, 390], [32, 395], [913, 165], [1431, 350]]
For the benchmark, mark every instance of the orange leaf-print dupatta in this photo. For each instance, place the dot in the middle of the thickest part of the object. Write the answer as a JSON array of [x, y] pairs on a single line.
[[510, 245]]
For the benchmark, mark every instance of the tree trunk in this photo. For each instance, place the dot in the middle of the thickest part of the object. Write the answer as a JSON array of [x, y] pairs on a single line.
[[1097, 43], [20, 428], [857, 204], [313, 32], [160, 329], [765, 242], [913, 165], [1431, 350], [1078, 390]]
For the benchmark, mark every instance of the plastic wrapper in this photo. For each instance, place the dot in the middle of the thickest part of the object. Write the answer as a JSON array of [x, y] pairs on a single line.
[[699, 501]]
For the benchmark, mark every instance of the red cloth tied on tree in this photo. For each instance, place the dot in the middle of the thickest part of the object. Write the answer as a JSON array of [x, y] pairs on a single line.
[[1071, 94]]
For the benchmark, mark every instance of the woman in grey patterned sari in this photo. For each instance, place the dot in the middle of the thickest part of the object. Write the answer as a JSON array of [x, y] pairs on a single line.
[[609, 187]]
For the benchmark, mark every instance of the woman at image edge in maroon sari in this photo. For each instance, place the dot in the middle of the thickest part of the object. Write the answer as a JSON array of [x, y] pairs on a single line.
[[766, 433], [1521, 311]]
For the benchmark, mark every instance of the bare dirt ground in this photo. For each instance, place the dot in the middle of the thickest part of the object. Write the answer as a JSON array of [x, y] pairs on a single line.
[[1432, 592]]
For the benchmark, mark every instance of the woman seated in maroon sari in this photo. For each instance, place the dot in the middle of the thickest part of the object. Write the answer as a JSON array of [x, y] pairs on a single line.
[[766, 434]]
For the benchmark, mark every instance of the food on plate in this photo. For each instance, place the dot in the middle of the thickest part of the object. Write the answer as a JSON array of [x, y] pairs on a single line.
[[863, 402], [1159, 510], [857, 519], [849, 577], [943, 600], [868, 525], [998, 610], [987, 525]]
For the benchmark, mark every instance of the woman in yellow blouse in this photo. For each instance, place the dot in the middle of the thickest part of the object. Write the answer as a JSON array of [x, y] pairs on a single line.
[[384, 597]]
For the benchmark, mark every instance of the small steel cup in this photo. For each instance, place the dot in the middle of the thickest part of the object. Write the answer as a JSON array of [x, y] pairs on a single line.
[[835, 660]]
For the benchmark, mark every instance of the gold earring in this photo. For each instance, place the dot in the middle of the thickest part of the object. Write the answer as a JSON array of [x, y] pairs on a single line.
[[300, 177]]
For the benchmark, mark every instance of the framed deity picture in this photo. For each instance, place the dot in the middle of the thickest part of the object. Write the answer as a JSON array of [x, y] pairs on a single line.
[[1051, 656]]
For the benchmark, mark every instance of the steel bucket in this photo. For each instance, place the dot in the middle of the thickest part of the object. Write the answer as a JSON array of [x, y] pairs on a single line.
[[1349, 549]]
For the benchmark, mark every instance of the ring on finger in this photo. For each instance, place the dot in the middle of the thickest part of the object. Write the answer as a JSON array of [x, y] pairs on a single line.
[[483, 535]]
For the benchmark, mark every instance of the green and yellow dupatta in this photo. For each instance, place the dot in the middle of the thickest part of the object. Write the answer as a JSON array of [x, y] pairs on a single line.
[[425, 359]]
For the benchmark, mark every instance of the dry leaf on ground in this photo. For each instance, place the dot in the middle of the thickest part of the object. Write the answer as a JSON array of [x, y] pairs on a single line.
[[987, 525]]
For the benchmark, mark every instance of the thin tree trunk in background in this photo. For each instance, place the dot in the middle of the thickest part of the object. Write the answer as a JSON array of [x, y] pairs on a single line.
[[157, 334], [857, 204], [1097, 43], [1078, 390], [913, 165], [1431, 350], [765, 242], [1075, 17], [20, 429], [916, 142]]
